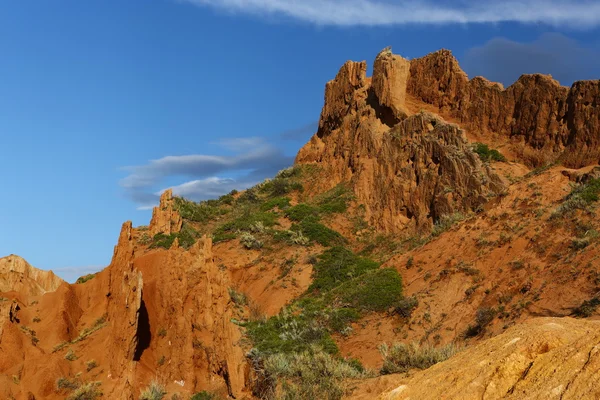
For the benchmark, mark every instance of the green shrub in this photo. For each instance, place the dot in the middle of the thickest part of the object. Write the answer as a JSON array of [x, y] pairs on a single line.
[[376, 290], [70, 355], [288, 333], [587, 308], [249, 196], [91, 365], [66, 383], [162, 240], [279, 187], [483, 318], [336, 200], [198, 212], [446, 222], [312, 374], [406, 306], [338, 265], [227, 199], [280, 202], [401, 357], [340, 318], [85, 278], [88, 391], [301, 212], [291, 172], [249, 241], [238, 298], [203, 395], [223, 237], [580, 198], [319, 233], [487, 154], [154, 391], [246, 221]]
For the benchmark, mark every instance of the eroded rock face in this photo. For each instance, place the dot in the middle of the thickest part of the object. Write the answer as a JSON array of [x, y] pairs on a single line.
[[551, 121], [407, 176], [544, 358], [427, 173], [17, 275], [164, 217]]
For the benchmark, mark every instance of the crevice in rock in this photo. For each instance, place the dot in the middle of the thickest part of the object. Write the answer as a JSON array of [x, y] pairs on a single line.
[[385, 114], [224, 373], [577, 374], [521, 378], [143, 333]]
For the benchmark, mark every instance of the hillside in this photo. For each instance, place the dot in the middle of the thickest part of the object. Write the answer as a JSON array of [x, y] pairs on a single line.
[[429, 210]]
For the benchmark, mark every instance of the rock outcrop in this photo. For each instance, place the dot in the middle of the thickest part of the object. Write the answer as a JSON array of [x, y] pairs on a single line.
[[548, 121], [165, 219], [544, 358], [17, 275], [365, 138], [408, 171]]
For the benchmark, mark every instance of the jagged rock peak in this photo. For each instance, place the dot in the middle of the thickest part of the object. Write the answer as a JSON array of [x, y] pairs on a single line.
[[541, 120], [165, 219]]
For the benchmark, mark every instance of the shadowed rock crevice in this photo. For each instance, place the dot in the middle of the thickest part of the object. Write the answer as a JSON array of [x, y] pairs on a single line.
[[143, 333]]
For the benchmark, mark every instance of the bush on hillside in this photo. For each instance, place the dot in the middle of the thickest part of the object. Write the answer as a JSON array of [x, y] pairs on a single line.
[[377, 290], [401, 357], [338, 265], [486, 154]]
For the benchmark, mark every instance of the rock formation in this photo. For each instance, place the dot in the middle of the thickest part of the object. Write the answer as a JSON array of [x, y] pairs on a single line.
[[164, 218], [408, 171], [547, 121], [544, 358], [17, 275], [365, 138]]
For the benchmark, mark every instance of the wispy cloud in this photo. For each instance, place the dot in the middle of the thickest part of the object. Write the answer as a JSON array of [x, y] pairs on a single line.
[[205, 176], [503, 60], [576, 13]]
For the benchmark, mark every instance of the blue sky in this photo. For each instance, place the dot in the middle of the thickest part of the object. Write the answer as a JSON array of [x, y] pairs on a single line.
[[104, 103]]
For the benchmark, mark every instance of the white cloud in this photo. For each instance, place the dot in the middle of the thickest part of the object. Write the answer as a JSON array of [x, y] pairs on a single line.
[[578, 14], [210, 187], [205, 176]]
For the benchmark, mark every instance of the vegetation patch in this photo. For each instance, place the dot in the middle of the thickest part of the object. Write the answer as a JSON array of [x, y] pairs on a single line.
[[580, 198], [154, 391], [201, 212], [308, 375], [301, 212], [446, 222], [336, 266], [486, 154], [406, 306], [290, 333], [203, 395], [85, 278], [87, 391], [335, 200], [248, 221], [401, 357], [587, 308], [280, 202], [376, 290], [238, 298], [187, 237], [483, 318], [319, 233]]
